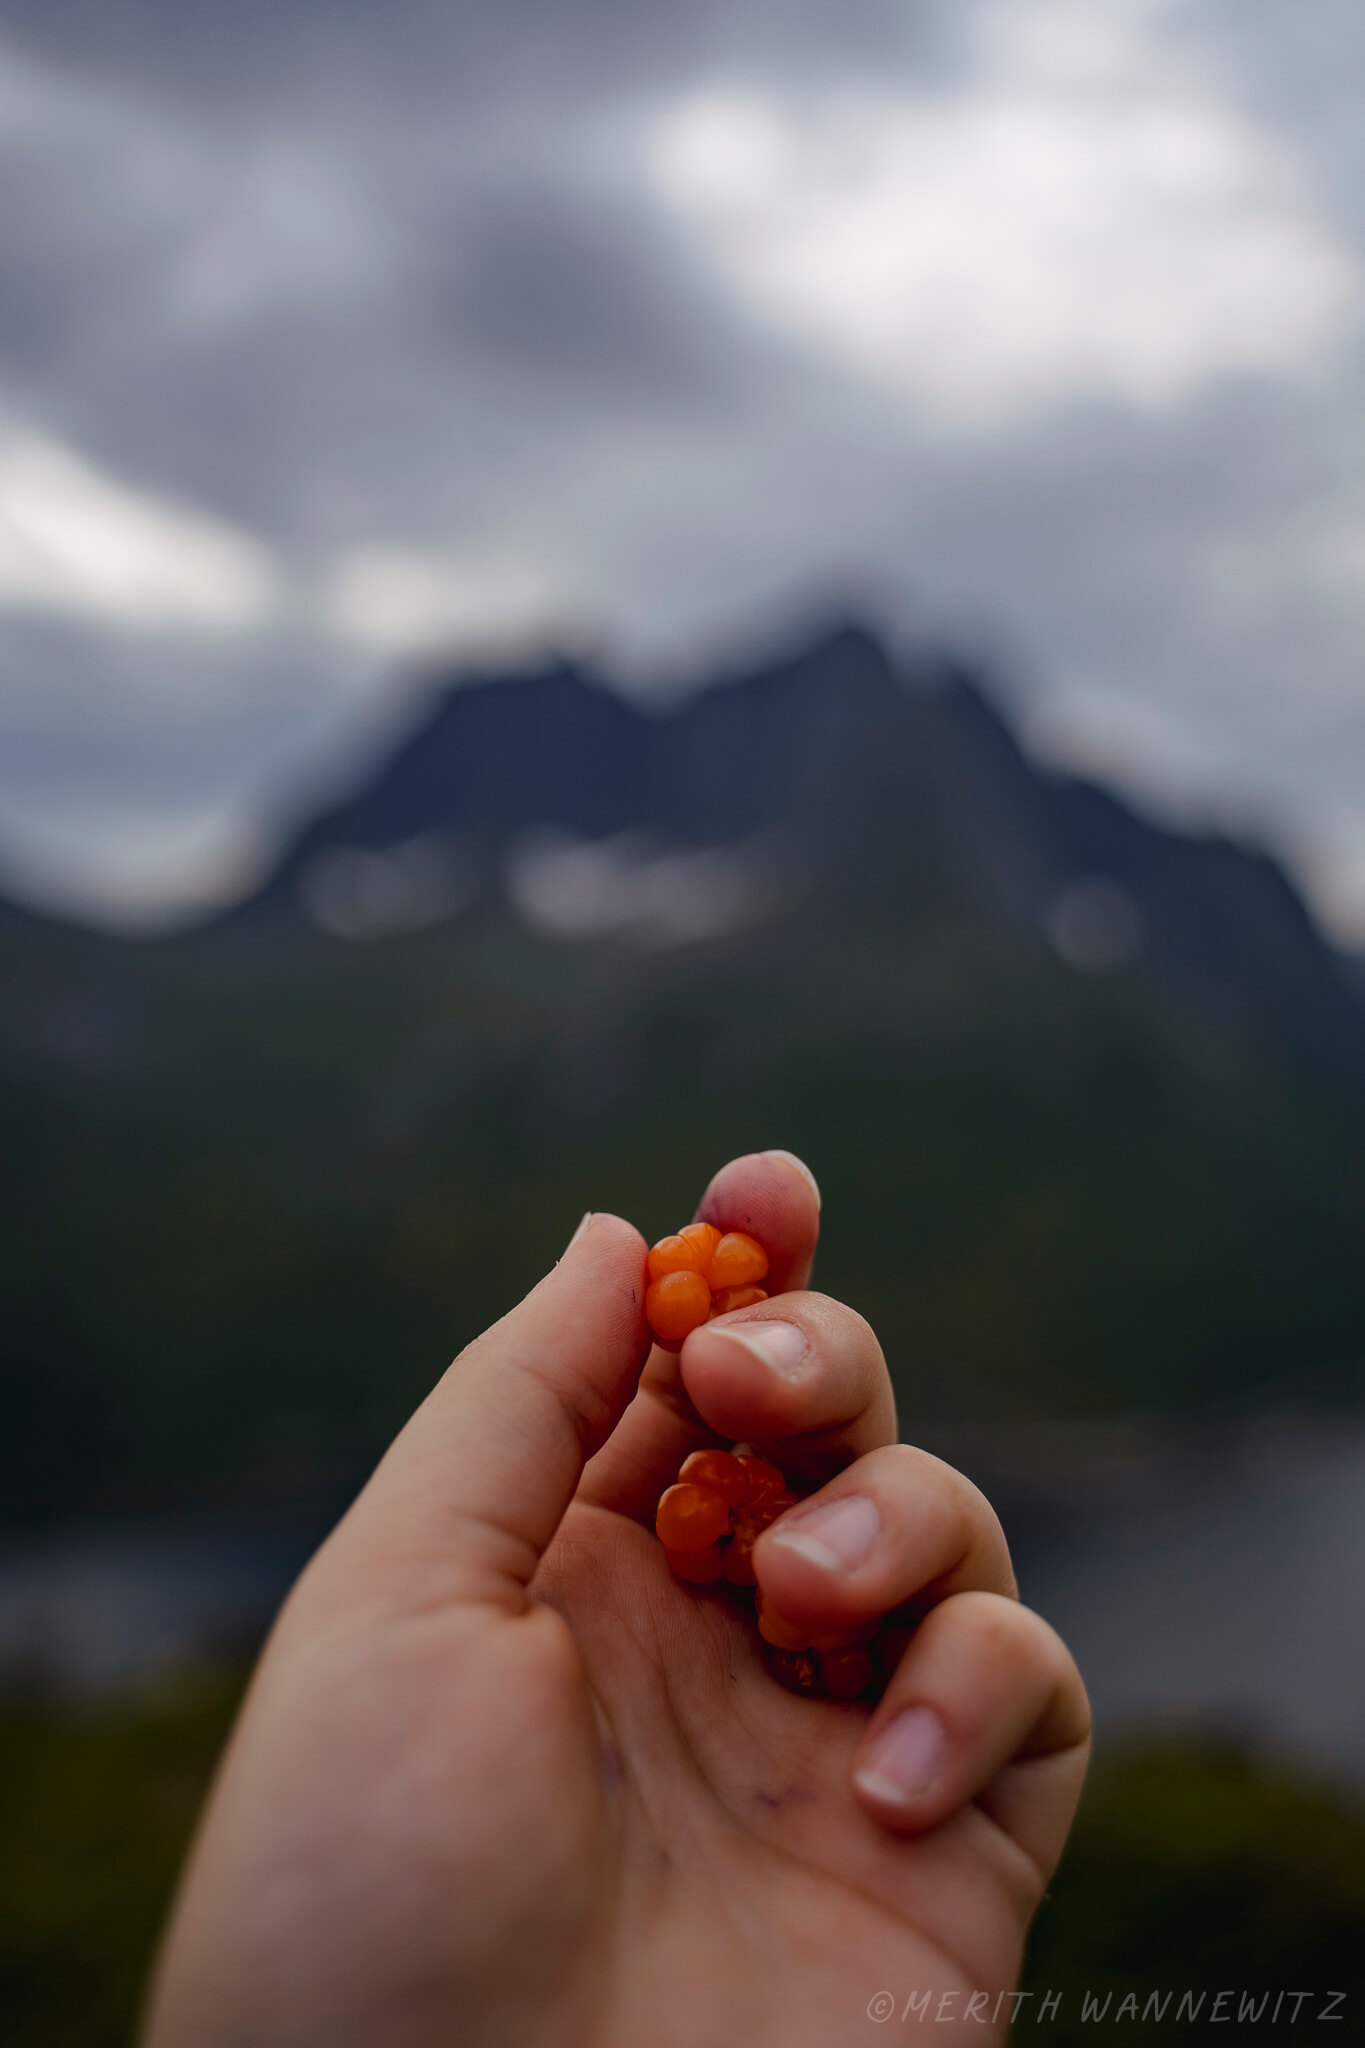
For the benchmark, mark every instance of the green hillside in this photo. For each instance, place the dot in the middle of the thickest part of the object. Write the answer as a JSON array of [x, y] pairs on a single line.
[[250, 1214]]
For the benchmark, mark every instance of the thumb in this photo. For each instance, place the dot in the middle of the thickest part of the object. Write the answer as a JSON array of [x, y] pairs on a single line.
[[471, 1491]]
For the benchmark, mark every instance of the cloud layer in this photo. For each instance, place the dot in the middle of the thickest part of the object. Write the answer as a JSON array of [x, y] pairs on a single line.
[[1076, 222], [327, 340]]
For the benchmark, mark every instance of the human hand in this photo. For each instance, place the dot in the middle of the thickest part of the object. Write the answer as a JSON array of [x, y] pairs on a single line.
[[501, 1779]]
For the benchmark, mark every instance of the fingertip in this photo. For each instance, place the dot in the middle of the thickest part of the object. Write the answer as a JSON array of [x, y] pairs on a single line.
[[772, 1196], [498, 1447], [750, 1377], [983, 1683], [605, 1237], [583, 1223], [790, 1159], [903, 1769], [602, 1272]]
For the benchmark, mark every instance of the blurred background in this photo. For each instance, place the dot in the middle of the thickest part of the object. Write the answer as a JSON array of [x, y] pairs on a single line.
[[585, 587]]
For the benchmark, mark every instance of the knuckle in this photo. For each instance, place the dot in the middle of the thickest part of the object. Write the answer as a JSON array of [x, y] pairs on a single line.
[[1009, 1630], [901, 1464], [995, 1629]]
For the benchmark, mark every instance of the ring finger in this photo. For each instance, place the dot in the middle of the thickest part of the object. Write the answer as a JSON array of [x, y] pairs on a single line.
[[900, 1527]]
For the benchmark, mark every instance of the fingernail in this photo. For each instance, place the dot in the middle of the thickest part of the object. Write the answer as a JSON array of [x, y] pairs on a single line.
[[587, 1219], [782, 1346], [776, 1153], [906, 1757], [838, 1536]]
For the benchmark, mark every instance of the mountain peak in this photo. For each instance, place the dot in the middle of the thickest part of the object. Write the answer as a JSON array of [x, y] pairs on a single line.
[[875, 797]]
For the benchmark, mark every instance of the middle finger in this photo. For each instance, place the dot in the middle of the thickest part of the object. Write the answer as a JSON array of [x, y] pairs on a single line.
[[800, 1377]]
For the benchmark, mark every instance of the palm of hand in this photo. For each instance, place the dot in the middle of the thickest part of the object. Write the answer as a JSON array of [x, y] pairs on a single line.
[[702, 1875]]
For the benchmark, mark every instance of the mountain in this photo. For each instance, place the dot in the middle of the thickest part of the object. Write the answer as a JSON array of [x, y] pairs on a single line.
[[1086, 1096], [858, 780]]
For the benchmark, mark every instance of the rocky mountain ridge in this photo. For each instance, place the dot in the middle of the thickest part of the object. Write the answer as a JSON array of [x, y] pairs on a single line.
[[861, 782]]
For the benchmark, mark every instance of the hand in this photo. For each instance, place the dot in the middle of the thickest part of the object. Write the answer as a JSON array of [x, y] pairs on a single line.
[[500, 1779]]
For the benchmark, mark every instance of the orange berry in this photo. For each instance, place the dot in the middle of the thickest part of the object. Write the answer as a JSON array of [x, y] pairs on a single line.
[[762, 1480], [777, 1630], [676, 1304], [718, 1470], [737, 1261], [674, 1255], [736, 1297], [739, 1554], [793, 1668], [846, 1673], [764, 1513], [698, 1567], [704, 1237], [691, 1518]]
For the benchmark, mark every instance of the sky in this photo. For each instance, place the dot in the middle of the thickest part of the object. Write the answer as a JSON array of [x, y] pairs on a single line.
[[338, 338]]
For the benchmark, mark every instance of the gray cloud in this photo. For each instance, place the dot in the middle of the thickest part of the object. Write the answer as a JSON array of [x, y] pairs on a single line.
[[548, 291], [430, 58], [357, 278]]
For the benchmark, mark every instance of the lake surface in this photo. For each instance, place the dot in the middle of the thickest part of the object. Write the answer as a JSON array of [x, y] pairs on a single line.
[[1216, 1577], [1218, 1580]]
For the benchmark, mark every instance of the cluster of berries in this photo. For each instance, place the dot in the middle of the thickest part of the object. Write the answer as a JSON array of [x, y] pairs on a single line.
[[710, 1521], [708, 1524], [722, 1502], [701, 1273]]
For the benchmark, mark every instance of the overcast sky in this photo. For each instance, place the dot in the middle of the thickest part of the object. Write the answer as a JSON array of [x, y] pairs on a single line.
[[333, 334]]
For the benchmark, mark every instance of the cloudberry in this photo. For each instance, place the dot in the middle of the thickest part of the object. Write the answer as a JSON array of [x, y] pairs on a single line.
[[777, 1630], [737, 1261], [691, 1518], [676, 1304], [846, 1674], [698, 1567], [739, 1553], [763, 1482], [698, 1273], [710, 1520], [672, 1255], [703, 1237], [796, 1669], [719, 1470], [726, 1298]]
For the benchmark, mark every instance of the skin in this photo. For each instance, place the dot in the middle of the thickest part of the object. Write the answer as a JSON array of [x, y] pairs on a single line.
[[501, 1779]]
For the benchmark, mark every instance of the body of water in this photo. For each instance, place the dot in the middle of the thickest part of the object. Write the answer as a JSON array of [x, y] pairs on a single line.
[[1214, 1577]]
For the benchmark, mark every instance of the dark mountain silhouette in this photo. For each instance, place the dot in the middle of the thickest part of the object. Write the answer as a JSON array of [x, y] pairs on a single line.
[[903, 787]]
